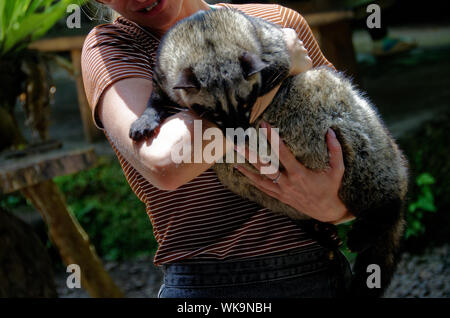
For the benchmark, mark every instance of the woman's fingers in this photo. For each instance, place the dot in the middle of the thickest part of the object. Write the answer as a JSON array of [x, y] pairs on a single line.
[[312, 193], [335, 154], [288, 160], [290, 163], [255, 160], [261, 182]]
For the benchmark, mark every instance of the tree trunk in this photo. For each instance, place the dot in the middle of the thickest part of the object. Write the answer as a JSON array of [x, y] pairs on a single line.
[[72, 242], [25, 267]]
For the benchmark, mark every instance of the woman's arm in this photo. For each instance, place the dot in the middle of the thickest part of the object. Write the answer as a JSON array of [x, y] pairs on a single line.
[[121, 104], [124, 101]]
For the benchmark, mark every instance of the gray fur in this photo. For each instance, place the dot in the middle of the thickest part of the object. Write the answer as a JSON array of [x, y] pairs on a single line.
[[209, 46]]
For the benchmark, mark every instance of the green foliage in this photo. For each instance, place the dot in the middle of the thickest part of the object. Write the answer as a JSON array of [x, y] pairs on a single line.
[[429, 200], [343, 229], [12, 201], [424, 203], [109, 211], [27, 20]]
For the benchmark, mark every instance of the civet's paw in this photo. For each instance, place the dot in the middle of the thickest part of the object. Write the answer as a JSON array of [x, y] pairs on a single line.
[[143, 127]]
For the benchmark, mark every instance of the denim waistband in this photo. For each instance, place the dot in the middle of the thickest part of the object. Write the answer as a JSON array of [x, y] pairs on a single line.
[[247, 271]]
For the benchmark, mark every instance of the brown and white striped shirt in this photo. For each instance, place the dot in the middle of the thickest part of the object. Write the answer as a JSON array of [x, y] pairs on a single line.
[[201, 219]]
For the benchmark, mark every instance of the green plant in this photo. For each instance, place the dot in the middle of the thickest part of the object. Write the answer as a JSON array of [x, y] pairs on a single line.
[[427, 151], [24, 21], [25, 72], [343, 229], [423, 204], [109, 211]]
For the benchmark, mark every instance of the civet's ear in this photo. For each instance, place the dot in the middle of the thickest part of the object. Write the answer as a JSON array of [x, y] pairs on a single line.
[[187, 80], [251, 64]]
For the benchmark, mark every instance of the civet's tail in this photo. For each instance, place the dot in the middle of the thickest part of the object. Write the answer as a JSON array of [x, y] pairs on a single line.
[[376, 237]]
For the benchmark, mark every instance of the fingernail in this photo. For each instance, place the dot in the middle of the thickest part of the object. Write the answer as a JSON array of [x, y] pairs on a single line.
[[331, 131]]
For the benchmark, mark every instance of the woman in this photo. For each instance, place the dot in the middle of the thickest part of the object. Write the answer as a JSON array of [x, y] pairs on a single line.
[[212, 243]]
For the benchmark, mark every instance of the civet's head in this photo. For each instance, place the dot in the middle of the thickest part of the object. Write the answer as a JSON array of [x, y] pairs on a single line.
[[212, 63]]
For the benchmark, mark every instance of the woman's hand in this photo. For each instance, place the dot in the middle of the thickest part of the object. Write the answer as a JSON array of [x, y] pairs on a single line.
[[312, 193], [300, 61]]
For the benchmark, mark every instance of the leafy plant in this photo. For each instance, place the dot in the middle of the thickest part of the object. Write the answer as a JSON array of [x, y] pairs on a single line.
[[27, 20], [109, 211], [427, 151], [25, 72], [343, 230], [423, 204], [11, 201]]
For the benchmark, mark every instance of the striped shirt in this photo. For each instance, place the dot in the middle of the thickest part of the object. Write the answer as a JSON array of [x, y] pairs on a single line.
[[201, 219]]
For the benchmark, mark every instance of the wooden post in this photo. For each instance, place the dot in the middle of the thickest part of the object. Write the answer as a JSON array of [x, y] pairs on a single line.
[[33, 175], [71, 240], [336, 44], [332, 29], [91, 132], [73, 45]]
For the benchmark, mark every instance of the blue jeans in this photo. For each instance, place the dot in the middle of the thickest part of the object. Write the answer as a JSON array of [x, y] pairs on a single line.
[[313, 273]]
